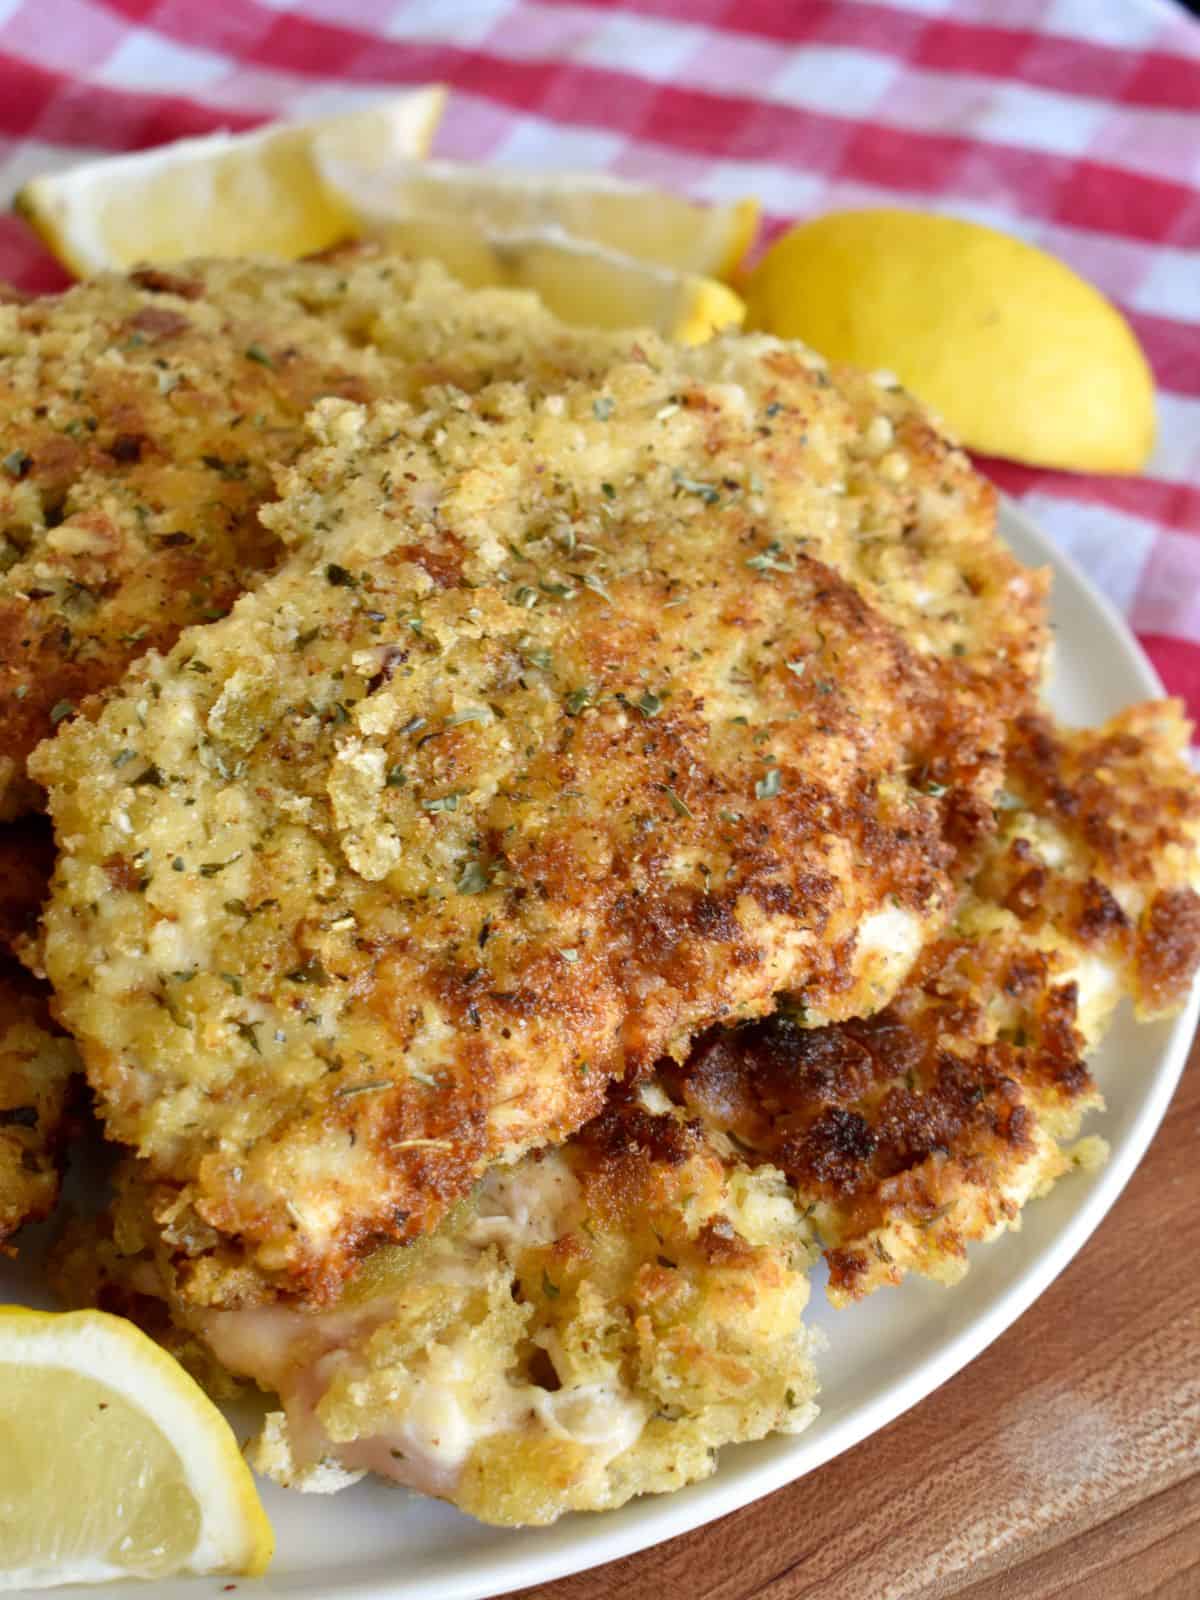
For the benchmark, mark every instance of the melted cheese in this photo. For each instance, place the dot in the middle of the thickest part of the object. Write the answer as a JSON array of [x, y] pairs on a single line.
[[446, 1402]]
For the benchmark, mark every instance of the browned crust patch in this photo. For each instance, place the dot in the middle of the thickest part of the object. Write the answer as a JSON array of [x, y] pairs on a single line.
[[37, 1065]]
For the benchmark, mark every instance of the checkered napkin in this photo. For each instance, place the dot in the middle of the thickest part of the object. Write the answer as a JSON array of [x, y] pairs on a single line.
[[1074, 123]]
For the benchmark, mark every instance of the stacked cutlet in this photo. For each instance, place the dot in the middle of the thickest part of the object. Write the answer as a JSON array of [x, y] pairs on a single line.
[[611, 851]]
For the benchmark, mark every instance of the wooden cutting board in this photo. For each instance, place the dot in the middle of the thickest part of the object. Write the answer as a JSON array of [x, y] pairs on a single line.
[[1062, 1464]]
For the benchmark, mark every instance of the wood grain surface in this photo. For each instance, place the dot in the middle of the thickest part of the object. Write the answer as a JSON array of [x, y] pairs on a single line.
[[1062, 1464]]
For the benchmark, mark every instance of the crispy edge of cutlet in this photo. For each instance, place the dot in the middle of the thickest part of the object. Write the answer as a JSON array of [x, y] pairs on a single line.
[[38, 1071]]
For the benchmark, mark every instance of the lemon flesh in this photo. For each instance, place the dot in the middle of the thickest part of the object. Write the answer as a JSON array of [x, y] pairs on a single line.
[[1018, 354], [114, 1463], [578, 281], [666, 229], [259, 193]]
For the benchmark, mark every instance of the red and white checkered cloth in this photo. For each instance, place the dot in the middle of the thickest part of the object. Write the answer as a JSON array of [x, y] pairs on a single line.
[[1075, 123]]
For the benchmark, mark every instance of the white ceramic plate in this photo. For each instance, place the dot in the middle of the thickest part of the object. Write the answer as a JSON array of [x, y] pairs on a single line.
[[377, 1543]]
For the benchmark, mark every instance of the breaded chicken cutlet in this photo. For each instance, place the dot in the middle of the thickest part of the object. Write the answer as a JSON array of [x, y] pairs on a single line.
[[911, 1132], [37, 1061], [144, 416], [141, 418], [37, 1064], [592, 1324], [576, 724], [598, 1318]]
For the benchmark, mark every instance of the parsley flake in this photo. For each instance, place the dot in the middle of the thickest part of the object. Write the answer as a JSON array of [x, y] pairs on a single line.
[[209, 869], [312, 971], [473, 879], [354, 1089], [771, 560], [705, 491]]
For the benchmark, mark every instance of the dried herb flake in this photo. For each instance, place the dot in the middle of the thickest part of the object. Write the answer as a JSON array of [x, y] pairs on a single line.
[[473, 879]]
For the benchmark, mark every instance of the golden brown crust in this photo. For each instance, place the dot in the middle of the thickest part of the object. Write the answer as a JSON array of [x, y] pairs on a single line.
[[1168, 949], [928, 1125], [588, 1325], [144, 417], [563, 735], [1126, 805], [915, 1118], [140, 428], [1120, 791], [36, 1068]]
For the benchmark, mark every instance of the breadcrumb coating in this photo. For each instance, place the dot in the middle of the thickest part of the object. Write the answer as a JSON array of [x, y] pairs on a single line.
[[144, 417], [594, 1323], [589, 697], [575, 724], [911, 1132], [37, 1064], [597, 1319]]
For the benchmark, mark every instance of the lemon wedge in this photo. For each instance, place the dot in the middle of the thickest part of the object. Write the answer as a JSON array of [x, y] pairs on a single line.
[[666, 229], [1019, 355], [114, 1463], [581, 282], [258, 193]]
